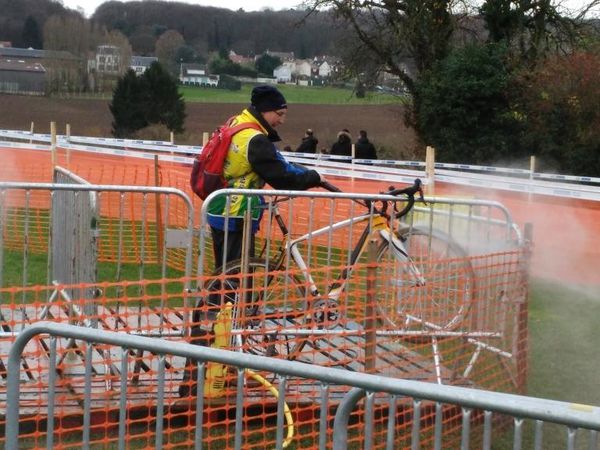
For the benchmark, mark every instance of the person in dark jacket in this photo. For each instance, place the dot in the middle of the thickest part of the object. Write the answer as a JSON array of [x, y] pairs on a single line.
[[253, 160], [343, 146], [363, 148], [309, 143]]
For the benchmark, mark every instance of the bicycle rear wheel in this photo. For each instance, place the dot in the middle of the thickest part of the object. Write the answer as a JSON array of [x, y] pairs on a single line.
[[269, 305], [440, 303]]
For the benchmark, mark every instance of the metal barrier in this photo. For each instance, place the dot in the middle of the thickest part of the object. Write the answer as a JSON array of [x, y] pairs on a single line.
[[389, 399], [479, 226], [462, 320], [73, 238], [327, 292], [59, 233]]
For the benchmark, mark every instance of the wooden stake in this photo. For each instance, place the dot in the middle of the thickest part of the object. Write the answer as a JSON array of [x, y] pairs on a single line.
[[159, 231], [430, 170], [531, 172], [370, 319], [204, 138], [31, 131], [68, 133], [53, 143]]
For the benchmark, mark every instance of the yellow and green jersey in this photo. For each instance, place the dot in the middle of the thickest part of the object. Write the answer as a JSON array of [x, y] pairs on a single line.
[[251, 161]]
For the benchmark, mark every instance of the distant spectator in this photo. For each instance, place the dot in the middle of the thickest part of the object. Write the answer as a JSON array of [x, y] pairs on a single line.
[[309, 143], [343, 146], [364, 149]]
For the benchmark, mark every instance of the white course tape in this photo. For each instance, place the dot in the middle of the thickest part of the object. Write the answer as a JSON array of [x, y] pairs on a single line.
[[381, 170]]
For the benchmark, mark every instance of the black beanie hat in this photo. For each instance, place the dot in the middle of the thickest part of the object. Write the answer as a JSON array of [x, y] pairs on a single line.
[[267, 98]]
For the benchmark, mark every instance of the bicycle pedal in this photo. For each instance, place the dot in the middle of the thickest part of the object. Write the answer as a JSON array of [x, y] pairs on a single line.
[[326, 312]]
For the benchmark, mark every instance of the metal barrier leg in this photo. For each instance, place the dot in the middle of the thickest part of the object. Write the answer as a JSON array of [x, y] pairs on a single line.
[[342, 416]]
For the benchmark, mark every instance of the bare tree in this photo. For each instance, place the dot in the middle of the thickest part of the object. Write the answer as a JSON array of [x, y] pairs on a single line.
[[60, 32], [166, 49], [68, 38], [120, 41], [396, 31]]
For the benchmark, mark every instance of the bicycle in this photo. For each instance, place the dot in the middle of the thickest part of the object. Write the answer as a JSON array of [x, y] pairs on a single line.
[[277, 312]]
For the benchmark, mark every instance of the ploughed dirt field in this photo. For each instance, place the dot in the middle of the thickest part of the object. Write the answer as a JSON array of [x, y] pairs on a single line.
[[384, 123]]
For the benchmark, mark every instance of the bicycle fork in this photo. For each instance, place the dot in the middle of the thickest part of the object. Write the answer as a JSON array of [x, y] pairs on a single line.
[[400, 254]]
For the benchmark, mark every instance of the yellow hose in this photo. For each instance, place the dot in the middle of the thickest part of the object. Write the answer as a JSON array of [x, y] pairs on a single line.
[[214, 385], [286, 410]]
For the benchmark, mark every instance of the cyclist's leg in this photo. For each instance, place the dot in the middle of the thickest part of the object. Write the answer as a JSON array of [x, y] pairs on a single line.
[[200, 334], [273, 306], [233, 252]]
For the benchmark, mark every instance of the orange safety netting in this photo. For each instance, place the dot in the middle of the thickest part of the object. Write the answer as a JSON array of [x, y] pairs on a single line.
[[465, 326], [484, 348]]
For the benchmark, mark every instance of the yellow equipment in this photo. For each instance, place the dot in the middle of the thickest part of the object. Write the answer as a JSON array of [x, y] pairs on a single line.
[[216, 373]]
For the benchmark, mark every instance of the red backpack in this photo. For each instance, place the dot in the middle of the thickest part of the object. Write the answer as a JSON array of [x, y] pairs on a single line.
[[207, 172]]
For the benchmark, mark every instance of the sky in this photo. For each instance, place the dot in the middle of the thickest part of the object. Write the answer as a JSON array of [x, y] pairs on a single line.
[[89, 6]]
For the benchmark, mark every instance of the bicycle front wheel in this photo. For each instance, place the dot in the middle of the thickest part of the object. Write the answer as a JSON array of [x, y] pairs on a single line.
[[269, 305], [441, 298]]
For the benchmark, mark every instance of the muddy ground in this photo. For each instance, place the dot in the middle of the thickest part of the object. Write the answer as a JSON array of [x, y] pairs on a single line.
[[384, 123]]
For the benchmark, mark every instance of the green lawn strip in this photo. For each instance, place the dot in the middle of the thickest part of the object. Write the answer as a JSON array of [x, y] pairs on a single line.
[[564, 343], [293, 94], [564, 360], [37, 276]]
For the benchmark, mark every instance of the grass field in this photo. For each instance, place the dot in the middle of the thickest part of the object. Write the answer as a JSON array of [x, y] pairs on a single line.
[[564, 362], [293, 94], [564, 341], [311, 95]]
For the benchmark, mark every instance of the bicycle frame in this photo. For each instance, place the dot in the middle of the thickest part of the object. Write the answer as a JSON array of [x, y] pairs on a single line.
[[377, 225]]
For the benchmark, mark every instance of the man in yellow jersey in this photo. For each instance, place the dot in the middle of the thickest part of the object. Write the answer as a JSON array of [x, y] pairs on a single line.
[[253, 160]]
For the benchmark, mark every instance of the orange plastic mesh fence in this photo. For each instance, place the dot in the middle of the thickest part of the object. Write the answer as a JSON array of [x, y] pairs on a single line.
[[272, 317], [465, 325]]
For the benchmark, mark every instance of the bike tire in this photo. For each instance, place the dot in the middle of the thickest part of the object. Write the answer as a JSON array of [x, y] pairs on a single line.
[[277, 302], [444, 301]]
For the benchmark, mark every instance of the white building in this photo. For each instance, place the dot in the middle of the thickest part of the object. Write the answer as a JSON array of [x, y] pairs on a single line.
[[139, 64], [303, 68], [108, 59], [283, 73], [196, 75], [324, 70]]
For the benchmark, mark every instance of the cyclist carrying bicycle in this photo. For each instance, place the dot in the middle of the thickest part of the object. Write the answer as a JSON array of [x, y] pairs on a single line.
[[252, 161]]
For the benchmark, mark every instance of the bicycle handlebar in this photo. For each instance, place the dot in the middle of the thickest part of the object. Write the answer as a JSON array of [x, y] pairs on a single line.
[[333, 188], [409, 191]]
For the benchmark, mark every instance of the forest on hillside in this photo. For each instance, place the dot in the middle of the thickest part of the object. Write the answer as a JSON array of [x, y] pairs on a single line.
[[212, 29], [204, 29]]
